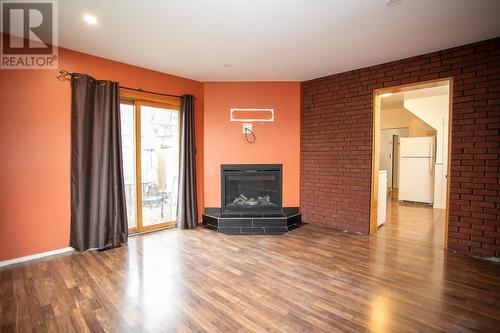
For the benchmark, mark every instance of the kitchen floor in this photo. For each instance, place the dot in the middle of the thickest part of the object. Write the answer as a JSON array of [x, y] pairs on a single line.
[[413, 221]]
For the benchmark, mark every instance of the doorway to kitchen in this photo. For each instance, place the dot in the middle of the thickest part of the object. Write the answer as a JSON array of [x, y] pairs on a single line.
[[411, 148], [150, 147]]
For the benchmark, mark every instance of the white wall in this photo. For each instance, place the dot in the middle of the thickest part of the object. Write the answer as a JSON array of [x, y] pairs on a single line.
[[434, 111], [385, 160]]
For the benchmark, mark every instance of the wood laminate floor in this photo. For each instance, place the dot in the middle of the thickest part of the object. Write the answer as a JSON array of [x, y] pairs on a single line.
[[312, 279], [415, 222]]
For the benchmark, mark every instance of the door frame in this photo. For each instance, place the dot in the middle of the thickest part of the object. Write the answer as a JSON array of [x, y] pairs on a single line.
[[395, 146], [376, 145], [139, 99]]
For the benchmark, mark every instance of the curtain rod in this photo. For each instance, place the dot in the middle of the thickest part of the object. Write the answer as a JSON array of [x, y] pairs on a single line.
[[64, 75]]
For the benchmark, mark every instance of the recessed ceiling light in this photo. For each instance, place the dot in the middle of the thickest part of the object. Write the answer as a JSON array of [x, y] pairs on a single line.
[[90, 19], [386, 95], [393, 3]]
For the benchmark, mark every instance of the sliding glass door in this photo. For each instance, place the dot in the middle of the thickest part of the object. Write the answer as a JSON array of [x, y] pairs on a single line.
[[150, 143], [159, 164]]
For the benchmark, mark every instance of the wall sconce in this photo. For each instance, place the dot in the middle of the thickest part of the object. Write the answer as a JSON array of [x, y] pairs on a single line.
[[251, 115]]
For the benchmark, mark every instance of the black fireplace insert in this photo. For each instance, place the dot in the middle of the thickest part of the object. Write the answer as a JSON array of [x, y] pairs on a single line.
[[251, 188]]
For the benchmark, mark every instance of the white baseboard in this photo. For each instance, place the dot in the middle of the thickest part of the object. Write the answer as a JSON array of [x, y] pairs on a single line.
[[34, 256]]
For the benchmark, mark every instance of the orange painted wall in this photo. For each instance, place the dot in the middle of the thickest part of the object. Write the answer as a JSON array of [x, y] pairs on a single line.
[[35, 147], [277, 142]]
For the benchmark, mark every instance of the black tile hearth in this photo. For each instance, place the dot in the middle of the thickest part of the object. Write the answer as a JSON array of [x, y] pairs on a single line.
[[252, 224]]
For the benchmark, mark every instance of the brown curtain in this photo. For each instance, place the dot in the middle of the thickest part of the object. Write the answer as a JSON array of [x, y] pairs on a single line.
[[187, 208], [98, 209]]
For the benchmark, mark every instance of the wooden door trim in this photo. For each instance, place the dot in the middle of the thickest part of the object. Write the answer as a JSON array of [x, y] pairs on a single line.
[[138, 165]]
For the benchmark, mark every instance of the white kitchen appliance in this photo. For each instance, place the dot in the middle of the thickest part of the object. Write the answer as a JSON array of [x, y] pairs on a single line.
[[382, 197], [416, 169]]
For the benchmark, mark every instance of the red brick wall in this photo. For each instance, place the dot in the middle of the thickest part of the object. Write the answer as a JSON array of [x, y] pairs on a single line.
[[336, 126]]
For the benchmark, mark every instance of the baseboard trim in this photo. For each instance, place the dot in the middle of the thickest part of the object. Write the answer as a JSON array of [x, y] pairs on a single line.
[[34, 256]]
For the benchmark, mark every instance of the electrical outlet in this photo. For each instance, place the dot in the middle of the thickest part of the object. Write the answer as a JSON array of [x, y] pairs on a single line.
[[245, 127]]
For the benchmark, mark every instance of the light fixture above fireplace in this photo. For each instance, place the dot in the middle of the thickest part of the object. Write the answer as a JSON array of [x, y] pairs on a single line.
[[251, 115]]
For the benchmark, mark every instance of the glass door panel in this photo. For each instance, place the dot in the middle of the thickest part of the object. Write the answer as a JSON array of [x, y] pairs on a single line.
[[159, 128], [127, 114]]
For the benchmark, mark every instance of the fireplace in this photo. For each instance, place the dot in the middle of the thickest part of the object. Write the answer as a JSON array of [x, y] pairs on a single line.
[[249, 189], [251, 202]]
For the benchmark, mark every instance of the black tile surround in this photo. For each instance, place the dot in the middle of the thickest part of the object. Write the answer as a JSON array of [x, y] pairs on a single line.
[[252, 224]]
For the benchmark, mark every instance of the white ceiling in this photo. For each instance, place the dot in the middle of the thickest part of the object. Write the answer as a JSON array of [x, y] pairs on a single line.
[[270, 39]]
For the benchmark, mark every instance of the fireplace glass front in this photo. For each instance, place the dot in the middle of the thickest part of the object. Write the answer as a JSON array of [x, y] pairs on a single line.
[[251, 188]]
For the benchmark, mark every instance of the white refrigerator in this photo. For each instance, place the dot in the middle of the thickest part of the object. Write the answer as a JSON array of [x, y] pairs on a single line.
[[416, 169]]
